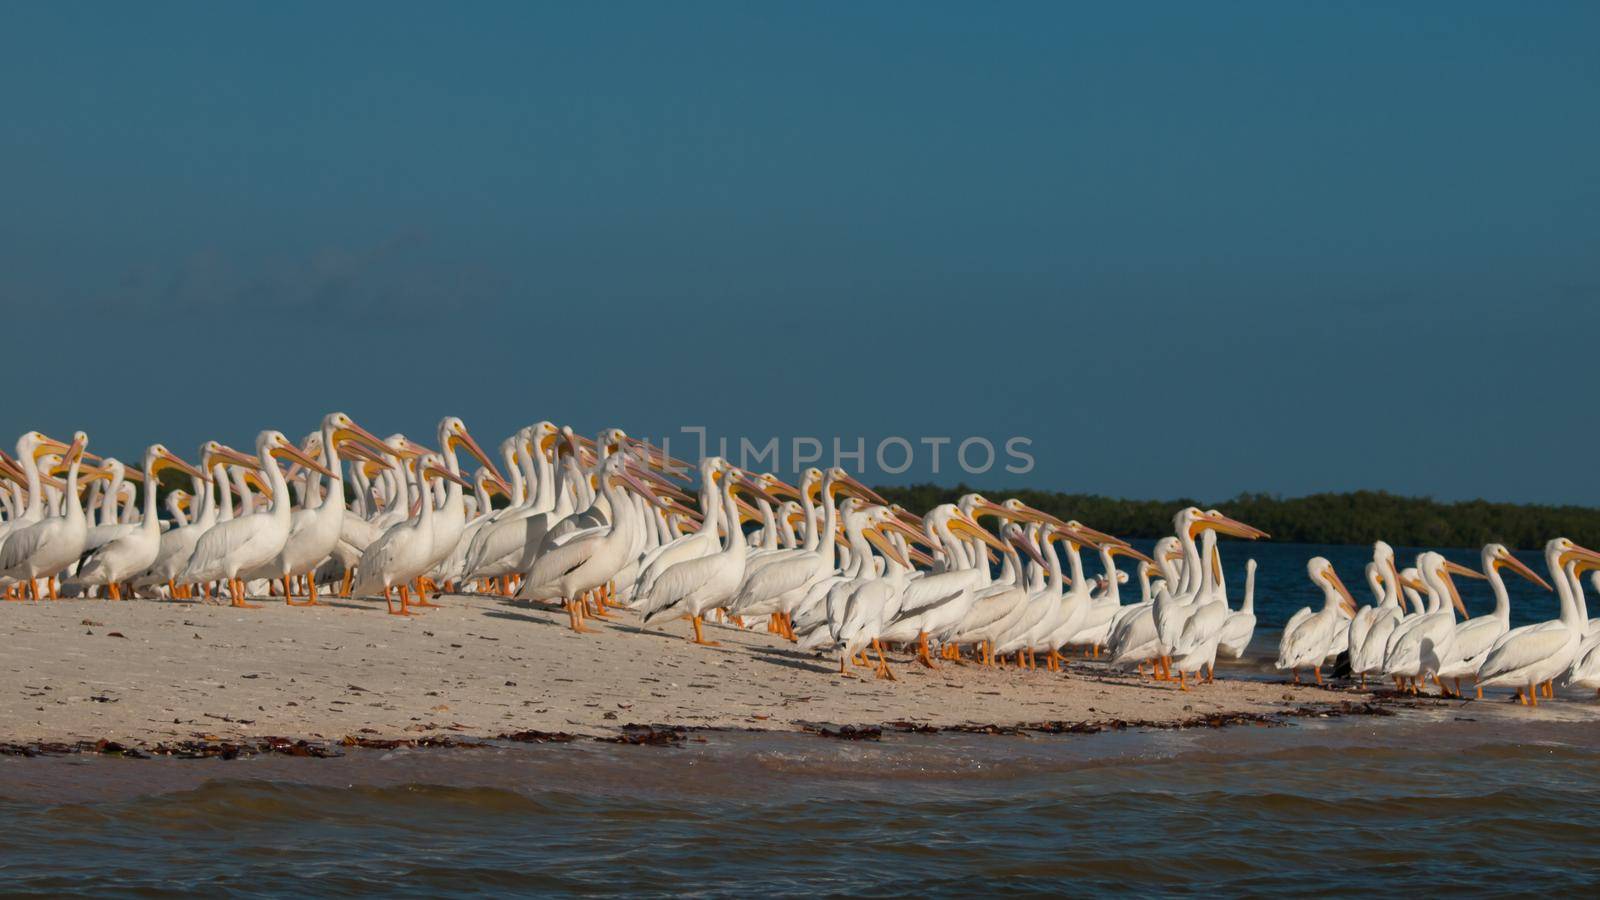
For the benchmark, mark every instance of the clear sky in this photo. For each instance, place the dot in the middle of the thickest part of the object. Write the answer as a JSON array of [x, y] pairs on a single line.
[[1185, 249]]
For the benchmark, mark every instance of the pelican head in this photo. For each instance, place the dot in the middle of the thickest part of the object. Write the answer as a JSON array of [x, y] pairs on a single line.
[[1323, 575]]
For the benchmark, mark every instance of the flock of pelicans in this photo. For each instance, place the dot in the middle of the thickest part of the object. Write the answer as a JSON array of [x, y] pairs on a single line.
[[607, 523]]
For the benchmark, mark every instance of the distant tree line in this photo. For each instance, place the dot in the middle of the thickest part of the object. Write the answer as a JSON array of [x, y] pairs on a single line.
[[1354, 518]]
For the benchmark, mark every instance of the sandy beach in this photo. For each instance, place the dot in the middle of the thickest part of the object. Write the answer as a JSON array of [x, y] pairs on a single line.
[[143, 672]]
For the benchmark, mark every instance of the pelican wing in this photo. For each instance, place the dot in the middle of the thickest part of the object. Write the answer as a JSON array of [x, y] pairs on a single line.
[[553, 564], [1522, 647], [21, 545], [1205, 625], [210, 557], [775, 580], [678, 582]]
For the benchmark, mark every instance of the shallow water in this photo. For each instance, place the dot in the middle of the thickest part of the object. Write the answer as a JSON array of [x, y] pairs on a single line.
[[1476, 797]]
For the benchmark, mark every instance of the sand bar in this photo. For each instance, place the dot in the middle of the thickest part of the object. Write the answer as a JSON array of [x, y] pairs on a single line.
[[146, 672]]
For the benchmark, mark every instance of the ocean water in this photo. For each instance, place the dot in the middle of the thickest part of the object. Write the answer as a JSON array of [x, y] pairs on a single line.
[[1472, 798], [1484, 798]]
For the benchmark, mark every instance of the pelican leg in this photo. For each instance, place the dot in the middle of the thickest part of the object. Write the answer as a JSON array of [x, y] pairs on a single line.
[[52, 582], [236, 588], [388, 599], [1533, 695], [1550, 689], [1182, 684], [113, 591], [349, 581], [423, 586], [1296, 675], [1211, 673], [883, 664], [1054, 660], [1478, 685], [575, 610], [1458, 687], [699, 638], [842, 670], [1316, 672], [922, 651]]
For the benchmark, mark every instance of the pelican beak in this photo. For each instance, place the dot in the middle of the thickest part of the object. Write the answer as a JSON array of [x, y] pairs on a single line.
[[1517, 566], [1004, 513], [1412, 583], [408, 449], [911, 532], [1450, 585], [173, 460], [296, 454], [74, 452], [961, 522], [889, 550], [662, 485], [1022, 543], [254, 480], [849, 485], [1465, 572], [463, 439], [1225, 525], [1128, 551], [359, 436], [1348, 602], [755, 489], [778, 487], [1094, 537], [1587, 559], [641, 489], [747, 513], [1018, 509], [917, 556], [442, 472]]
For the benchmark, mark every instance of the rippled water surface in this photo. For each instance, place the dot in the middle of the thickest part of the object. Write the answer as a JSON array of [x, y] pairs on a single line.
[[1474, 798]]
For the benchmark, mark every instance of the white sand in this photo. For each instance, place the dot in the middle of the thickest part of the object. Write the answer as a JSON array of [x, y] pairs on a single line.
[[482, 666]]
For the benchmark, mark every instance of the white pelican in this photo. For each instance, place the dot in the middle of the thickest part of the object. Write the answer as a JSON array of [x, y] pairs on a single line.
[[451, 521], [1241, 624], [405, 550], [695, 586], [1427, 646], [121, 558], [1475, 636], [1532, 655], [30, 447], [1371, 627], [589, 558], [246, 542], [314, 530], [1309, 635], [50, 545]]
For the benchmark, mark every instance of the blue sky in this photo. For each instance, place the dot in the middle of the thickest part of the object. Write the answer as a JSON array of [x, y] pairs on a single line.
[[1183, 248]]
